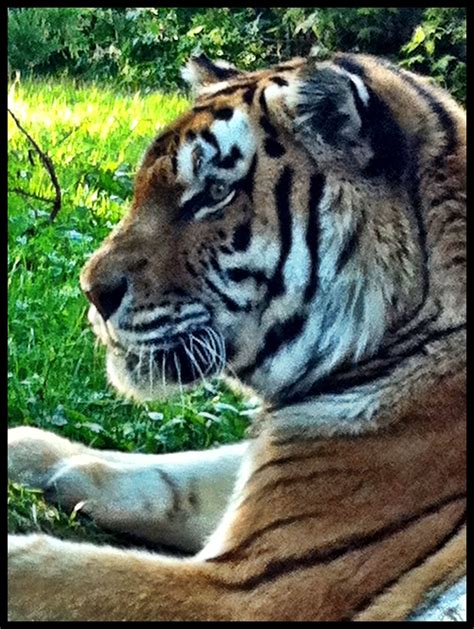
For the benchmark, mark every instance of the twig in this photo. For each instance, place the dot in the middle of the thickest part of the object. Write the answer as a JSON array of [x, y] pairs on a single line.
[[48, 164], [66, 135]]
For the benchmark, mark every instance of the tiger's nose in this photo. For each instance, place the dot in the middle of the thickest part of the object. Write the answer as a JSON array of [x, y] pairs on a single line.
[[107, 298]]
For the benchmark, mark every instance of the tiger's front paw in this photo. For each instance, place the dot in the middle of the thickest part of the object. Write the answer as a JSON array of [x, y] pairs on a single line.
[[34, 454]]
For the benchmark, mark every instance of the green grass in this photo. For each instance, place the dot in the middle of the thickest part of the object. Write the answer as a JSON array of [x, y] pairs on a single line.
[[56, 380]]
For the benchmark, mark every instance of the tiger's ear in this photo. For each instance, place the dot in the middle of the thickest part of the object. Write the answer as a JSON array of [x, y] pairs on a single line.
[[330, 104], [330, 108], [201, 71]]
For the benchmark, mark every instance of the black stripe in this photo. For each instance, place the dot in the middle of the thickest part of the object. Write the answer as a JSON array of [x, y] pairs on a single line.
[[268, 127], [174, 164], [223, 92], [316, 187], [349, 247], [231, 159], [191, 270], [368, 600], [290, 458], [172, 341], [279, 80], [216, 266], [240, 275], [350, 65], [265, 490], [176, 504], [246, 184], [215, 70], [387, 140], [211, 139], [279, 336], [263, 102], [282, 198], [444, 117], [360, 106], [234, 553], [279, 567], [199, 108], [224, 113], [288, 65], [154, 323], [448, 195], [404, 335], [273, 148], [450, 218], [249, 94], [230, 304], [380, 365], [190, 206], [241, 237], [436, 107], [330, 384], [458, 260], [225, 249]]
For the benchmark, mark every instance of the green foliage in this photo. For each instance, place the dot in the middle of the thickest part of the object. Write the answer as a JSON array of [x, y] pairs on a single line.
[[438, 48], [145, 48], [45, 38], [29, 513], [56, 380]]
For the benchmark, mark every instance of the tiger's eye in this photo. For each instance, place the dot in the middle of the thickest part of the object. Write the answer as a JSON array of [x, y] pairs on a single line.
[[218, 191]]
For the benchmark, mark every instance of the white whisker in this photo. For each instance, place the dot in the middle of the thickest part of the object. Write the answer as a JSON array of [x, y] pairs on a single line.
[[205, 347], [219, 347], [211, 353], [193, 351], [163, 371], [214, 347], [180, 383], [150, 372], [141, 353], [219, 344], [192, 359]]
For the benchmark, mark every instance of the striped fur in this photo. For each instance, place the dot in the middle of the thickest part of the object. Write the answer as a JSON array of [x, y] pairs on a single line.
[[302, 230]]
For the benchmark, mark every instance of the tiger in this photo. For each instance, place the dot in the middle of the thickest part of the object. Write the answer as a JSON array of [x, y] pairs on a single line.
[[300, 231]]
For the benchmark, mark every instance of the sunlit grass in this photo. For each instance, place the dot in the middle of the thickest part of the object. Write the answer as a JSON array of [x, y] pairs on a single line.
[[56, 378]]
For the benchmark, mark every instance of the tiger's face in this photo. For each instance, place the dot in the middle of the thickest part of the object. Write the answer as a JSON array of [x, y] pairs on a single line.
[[189, 281], [276, 232]]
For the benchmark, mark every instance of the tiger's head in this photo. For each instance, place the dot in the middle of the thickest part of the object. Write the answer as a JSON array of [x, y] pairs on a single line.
[[247, 248]]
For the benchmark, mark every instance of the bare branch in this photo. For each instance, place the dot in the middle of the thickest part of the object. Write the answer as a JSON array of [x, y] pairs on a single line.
[[48, 164]]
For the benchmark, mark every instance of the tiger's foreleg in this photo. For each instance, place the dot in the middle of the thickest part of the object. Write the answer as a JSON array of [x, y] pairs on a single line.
[[52, 579], [172, 499]]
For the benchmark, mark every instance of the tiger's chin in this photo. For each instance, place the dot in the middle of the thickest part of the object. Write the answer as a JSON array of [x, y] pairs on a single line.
[[152, 374]]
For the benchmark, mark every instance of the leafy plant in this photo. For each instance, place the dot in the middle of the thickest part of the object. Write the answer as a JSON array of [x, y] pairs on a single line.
[[438, 48], [145, 48]]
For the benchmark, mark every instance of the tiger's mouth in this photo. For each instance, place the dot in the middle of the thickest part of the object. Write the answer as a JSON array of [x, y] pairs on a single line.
[[150, 370]]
